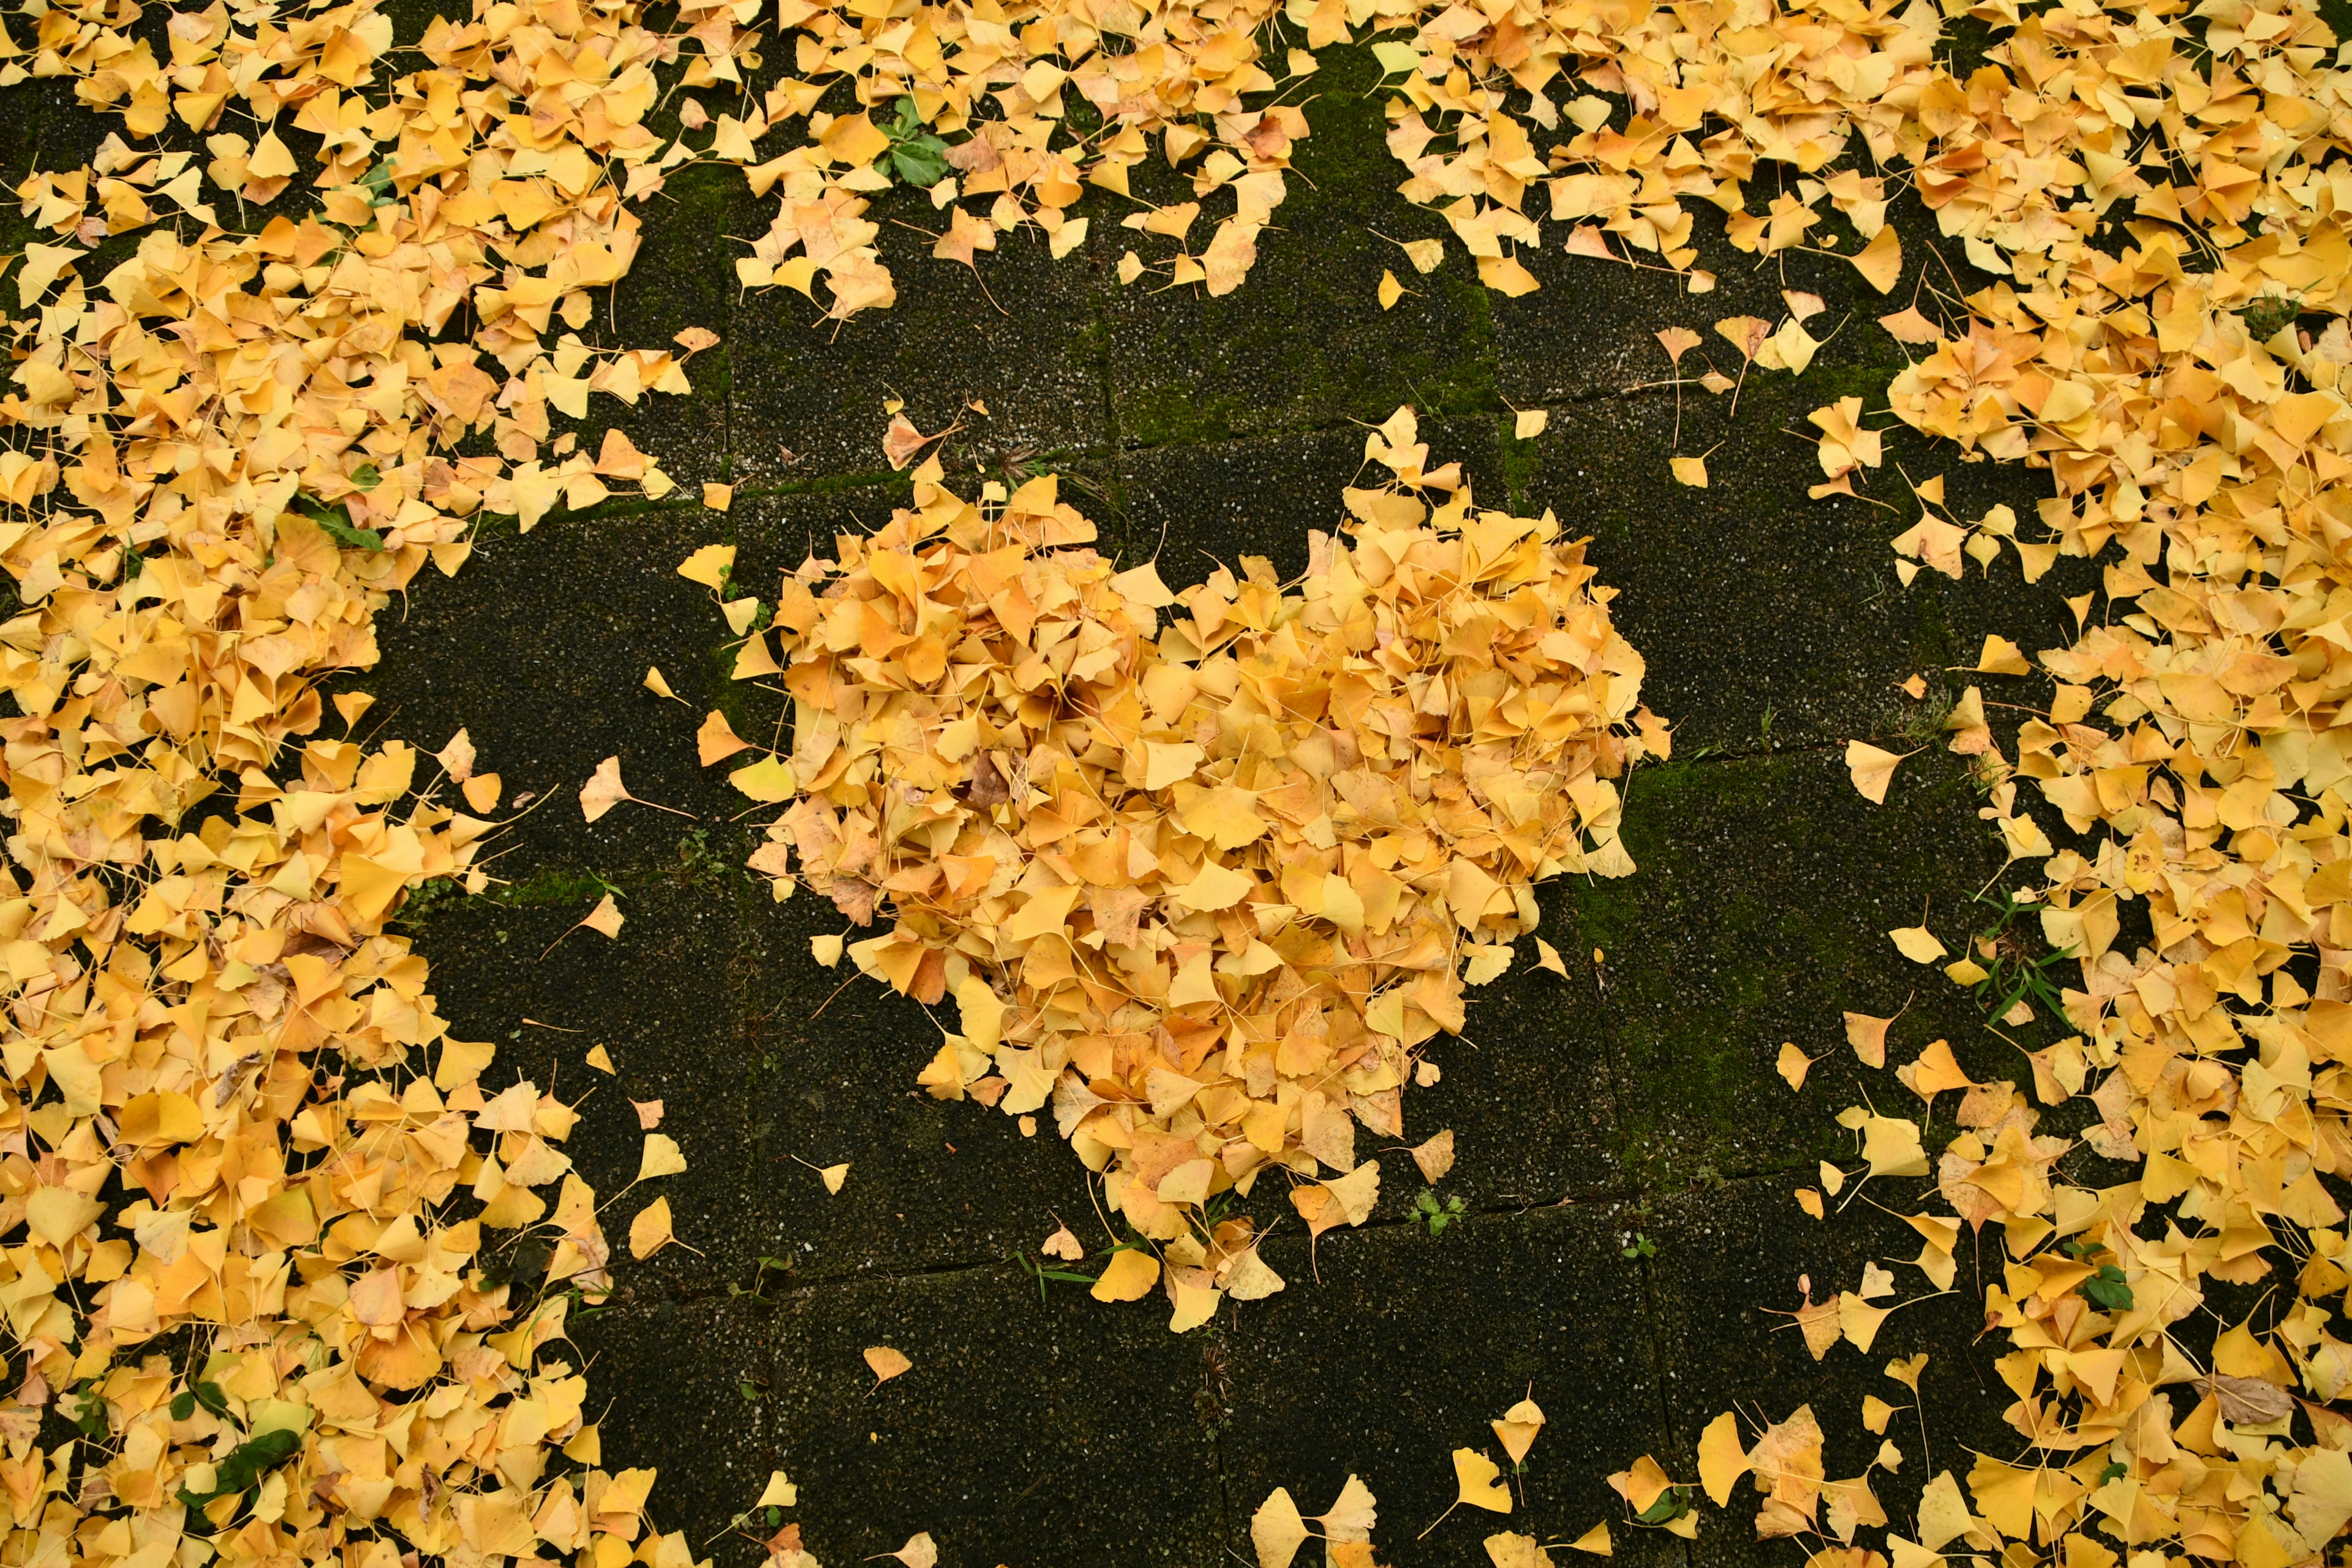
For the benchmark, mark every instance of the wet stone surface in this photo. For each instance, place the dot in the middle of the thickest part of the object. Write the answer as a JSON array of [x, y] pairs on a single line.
[[1635, 1102]]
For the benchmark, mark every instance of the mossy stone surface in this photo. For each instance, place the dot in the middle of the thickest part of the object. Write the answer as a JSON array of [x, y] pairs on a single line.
[[1635, 1098]]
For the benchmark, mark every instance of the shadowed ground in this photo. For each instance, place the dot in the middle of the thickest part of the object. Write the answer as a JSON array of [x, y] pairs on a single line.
[[1638, 1099]]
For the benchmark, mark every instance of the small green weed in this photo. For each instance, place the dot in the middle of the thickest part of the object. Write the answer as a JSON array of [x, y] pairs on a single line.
[[915, 155], [1042, 1273], [2011, 974], [2265, 317], [1433, 1216], [1640, 1247], [758, 1291]]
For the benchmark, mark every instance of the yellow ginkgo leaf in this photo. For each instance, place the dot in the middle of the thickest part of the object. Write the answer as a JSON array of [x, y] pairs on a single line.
[[1916, 944], [1131, 1273], [1278, 1531], [1478, 1479], [708, 565], [650, 1231], [1872, 769], [661, 1157]]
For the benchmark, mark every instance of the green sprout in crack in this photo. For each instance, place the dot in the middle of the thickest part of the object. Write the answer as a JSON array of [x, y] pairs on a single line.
[[915, 155], [1042, 1273], [1640, 1247], [2011, 974], [1433, 1216], [759, 1279]]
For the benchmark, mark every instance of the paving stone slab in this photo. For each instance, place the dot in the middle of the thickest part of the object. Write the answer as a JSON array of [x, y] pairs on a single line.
[[539, 647], [1529, 1089], [664, 1001], [931, 1183], [1032, 1434], [1020, 336], [1408, 1345], [1744, 596], [1757, 915], [672, 285], [1303, 343], [691, 1379], [1728, 1266], [1205, 505]]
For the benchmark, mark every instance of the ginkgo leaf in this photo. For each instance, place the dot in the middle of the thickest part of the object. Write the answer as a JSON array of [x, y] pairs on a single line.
[[1352, 1514], [604, 789], [708, 565], [1063, 1243], [1746, 333], [1277, 1531], [921, 1550], [1691, 471], [1916, 944], [768, 780], [1477, 1479], [1506, 1549], [1872, 769], [1518, 1429], [1548, 957], [600, 1059], [659, 684], [717, 741], [1908, 326], [1793, 1064], [1881, 261], [1130, 1275], [834, 1176], [1722, 1458], [1527, 424], [1434, 1156], [660, 1157], [1594, 1540], [650, 1231], [1867, 1036], [1390, 290], [1426, 254], [605, 918], [649, 1113], [780, 1493], [1677, 342], [885, 1363], [2002, 657]]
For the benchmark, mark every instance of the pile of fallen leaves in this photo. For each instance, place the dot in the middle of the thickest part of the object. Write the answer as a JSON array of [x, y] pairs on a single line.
[[1203, 889], [2168, 343], [261, 1206], [2160, 191]]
